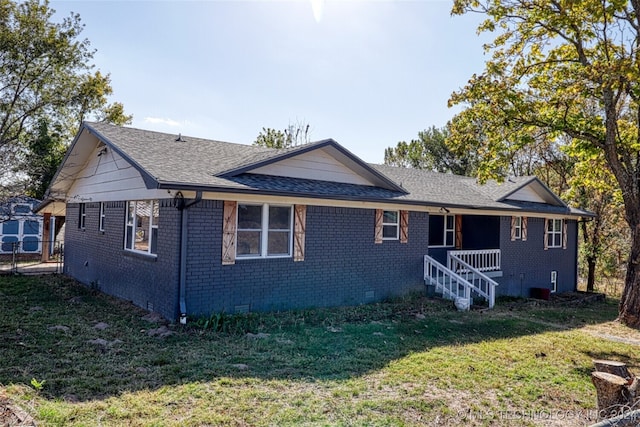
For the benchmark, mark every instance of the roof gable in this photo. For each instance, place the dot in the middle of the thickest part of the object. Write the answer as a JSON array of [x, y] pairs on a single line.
[[533, 190], [322, 161]]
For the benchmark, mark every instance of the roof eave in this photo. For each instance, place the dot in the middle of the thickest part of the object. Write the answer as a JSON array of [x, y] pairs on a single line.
[[228, 190]]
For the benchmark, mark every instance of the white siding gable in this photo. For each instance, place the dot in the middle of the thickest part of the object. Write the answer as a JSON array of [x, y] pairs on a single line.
[[316, 164], [526, 194], [109, 177], [534, 192]]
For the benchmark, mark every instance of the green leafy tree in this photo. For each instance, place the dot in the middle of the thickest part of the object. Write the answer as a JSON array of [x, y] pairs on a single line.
[[45, 153], [560, 68], [593, 185], [430, 151], [294, 135], [45, 76]]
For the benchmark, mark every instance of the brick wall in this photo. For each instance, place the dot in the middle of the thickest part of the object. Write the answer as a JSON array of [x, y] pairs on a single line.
[[98, 258], [342, 266], [526, 264]]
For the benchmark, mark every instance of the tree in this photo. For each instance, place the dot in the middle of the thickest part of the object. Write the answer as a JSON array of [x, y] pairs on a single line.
[[430, 152], [45, 77], [593, 186], [45, 153], [294, 135], [560, 68]]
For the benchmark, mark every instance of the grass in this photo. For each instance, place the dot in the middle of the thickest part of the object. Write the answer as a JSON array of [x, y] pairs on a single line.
[[412, 361]]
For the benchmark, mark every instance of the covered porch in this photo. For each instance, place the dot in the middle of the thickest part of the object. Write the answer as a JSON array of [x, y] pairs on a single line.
[[474, 239], [464, 257]]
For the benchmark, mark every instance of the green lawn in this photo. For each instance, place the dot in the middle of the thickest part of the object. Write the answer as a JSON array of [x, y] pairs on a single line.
[[414, 361]]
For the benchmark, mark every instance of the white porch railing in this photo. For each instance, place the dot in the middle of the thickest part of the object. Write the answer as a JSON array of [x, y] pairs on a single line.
[[480, 283], [446, 281], [481, 259]]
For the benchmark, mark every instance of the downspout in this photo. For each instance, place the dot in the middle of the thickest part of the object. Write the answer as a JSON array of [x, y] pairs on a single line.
[[182, 207]]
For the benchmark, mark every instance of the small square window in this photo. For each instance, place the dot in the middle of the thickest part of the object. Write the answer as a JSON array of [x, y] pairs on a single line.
[[390, 225]]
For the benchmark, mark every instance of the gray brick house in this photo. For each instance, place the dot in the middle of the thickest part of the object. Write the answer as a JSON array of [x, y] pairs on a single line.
[[188, 226]]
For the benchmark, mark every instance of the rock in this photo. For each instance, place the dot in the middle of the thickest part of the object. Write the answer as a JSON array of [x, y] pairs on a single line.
[[36, 308], [420, 316], [101, 326], [76, 300], [334, 330], [62, 328], [284, 341], [378, 334]]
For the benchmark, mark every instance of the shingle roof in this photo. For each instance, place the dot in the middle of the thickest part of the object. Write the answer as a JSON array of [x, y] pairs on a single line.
[[206, 164], [193, 161]]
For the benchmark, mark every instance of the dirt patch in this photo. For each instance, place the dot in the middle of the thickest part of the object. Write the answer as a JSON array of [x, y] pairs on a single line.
[[153, 318], [161, 332], [614, 331]]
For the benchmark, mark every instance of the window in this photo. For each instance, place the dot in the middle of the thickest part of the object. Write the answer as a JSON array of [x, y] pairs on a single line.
[[554, 281], [141, 230], [264, 231], [442, 230], [21, 209], [82, 216], [390, 225], [102, 216], [554, 233], [517, 228]]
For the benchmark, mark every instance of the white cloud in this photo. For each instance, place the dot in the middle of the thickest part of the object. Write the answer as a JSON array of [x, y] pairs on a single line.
[[163, 121], [318, 9]]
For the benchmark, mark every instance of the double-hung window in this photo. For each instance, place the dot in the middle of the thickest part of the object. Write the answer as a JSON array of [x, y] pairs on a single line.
[[102, 216], [390, 225], [82, 216], [554, 233], [141, 231], [517, 228], [442, 230], [264, 231]]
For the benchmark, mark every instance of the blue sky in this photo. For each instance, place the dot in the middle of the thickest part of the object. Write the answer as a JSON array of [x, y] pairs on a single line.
[[365, 73]]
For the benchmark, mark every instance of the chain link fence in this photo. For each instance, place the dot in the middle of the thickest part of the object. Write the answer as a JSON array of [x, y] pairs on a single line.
[[25, 257]]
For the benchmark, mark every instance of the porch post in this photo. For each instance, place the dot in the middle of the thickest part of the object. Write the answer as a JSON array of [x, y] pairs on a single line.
[[46, 233]]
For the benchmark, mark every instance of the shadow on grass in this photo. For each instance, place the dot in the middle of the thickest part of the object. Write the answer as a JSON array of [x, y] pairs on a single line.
[[86, 345]]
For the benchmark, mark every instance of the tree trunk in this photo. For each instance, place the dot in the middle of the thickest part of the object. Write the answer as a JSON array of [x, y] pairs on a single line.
[[613, 367], [613, 396], [591, 274], [629, 309], [591, 259]]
